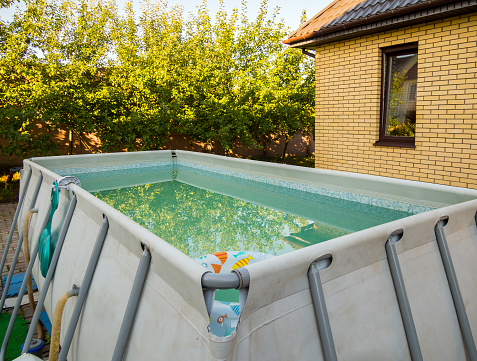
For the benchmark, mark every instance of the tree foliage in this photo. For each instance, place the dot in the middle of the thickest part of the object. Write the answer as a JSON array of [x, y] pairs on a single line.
[[395, 126], [83, 67]]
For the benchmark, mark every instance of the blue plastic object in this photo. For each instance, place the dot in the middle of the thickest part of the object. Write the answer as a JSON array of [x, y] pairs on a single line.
[[45, 320], [35, 347], [46, 246], [15, 284]]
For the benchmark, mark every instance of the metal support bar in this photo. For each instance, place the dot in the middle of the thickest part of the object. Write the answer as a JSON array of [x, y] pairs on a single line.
[[12, 228], [27, 276], [20, 241], [455, 290], [319, 304], [401, 295], [49, 275], [238, 279], [243, 295], [174, 164], [22, 289], [88, 277], [133, 303], [209, 296]]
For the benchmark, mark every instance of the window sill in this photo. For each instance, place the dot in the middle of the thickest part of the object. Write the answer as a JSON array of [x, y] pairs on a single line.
[[401, 143]]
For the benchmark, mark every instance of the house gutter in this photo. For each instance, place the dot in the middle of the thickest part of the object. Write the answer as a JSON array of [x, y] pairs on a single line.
[[374, 18], [307, 53]]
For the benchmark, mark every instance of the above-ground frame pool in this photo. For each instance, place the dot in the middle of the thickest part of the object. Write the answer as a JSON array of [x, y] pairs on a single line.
[[328, 265]]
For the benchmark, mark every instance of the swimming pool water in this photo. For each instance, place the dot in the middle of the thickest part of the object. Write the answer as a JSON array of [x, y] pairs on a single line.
[[198, 221], [201, 211]]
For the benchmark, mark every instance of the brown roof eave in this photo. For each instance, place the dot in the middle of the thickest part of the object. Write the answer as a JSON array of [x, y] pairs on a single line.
[[308, 38]]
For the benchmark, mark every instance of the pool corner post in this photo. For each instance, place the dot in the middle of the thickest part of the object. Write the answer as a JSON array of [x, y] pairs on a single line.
[[238, 279]]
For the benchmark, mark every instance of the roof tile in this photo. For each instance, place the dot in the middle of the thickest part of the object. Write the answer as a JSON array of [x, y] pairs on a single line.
[[324, 17], [344, 11]]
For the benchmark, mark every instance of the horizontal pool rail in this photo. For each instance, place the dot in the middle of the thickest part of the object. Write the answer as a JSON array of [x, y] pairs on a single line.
[[454, 288], [83, 292], [49, 275], [238, 278], [133, 302], [403, 301], [18, 302], [20, 240], [12, 228], [319, 305]]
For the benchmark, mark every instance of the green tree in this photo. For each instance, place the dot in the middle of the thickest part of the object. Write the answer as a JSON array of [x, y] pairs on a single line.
[[51, 72], [80, 67], [139, 103], [291, 101]]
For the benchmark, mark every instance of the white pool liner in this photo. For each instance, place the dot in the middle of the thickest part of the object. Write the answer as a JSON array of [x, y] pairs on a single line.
[[278, 321]]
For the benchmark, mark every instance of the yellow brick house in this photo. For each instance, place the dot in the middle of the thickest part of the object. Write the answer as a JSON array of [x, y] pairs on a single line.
[[396, 88]]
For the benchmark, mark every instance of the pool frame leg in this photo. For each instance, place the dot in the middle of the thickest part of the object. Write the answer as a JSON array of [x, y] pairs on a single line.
[[403, 301], [12, 228], [20, 241], [18, 303], [454, 288], [131, 309], [83, 291], [319, 304], [49, 275]]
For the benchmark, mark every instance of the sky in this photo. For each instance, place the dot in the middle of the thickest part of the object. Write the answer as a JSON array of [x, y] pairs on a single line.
[[290, 10]]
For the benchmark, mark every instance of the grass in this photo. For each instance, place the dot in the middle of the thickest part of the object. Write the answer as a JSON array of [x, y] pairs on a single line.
[[9, 187], [18, 335]]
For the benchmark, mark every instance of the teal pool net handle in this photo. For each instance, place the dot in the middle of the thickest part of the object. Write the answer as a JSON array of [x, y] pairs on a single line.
[[46, 246]]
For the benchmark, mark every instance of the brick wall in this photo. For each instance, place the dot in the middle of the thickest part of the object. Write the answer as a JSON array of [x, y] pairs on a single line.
[[348, 89]]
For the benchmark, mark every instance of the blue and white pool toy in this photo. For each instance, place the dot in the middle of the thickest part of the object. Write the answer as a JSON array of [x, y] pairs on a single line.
[[225, 315]]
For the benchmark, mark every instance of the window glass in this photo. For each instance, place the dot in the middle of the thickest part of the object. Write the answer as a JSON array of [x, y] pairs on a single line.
[[400, 112]]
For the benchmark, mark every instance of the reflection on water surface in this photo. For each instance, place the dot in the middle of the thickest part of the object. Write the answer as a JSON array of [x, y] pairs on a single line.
[[198, 222], [201, 212]]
